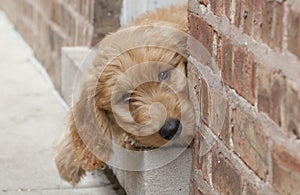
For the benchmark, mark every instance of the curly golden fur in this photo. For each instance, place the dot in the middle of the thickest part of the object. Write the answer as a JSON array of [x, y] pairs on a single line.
[[116, 86]]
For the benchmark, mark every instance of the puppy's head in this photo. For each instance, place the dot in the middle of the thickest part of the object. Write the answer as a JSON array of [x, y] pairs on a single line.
[[142, 88], [137, 88]]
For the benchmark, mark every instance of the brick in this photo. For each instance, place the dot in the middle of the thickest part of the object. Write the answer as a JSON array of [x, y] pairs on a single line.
[[203, 161], [264, 87], [68, 21], [107, 20], [278, 87], [227, 7], [238, 68], [219, 116], [225, 177], [257, 19], [56, 12], [226, 129], [201, 31], [286, 170], [244, 74], [250, 142], [291, 111], [267, 20], [278, 27], [271, 92], [45, 7], [238, 13], [27, 10], [278, 98], [205, 102], [248, 16], [194, 85], [196, 146], [293, 40], [213, 113], [217, 6], [224, 60]]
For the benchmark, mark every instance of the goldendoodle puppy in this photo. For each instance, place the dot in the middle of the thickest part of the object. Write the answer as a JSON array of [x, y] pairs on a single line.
[[136, 95]]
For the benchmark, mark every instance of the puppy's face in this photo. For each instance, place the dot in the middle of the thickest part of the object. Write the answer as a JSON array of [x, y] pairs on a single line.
[[144, 93]]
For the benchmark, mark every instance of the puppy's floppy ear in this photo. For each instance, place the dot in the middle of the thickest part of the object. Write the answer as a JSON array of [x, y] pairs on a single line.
[[90, 129], [87, 145]]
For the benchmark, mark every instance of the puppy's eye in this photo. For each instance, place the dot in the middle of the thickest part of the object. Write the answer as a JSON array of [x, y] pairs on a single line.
[[163, 75], [127, 98]]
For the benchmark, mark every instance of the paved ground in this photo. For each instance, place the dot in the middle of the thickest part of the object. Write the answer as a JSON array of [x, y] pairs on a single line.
[[31, 118]]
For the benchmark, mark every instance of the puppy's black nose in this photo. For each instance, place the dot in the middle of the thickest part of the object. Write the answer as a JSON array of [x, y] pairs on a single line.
[[171, 128]]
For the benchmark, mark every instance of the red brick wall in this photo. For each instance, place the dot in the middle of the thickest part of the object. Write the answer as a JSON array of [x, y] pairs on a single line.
[[255, 51], [48, 25]]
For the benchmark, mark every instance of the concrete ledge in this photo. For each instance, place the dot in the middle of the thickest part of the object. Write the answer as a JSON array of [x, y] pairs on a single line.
[[71, 59], [173, 178]]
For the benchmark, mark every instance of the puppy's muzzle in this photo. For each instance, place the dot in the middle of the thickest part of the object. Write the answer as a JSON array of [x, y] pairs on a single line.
[[171, 128]]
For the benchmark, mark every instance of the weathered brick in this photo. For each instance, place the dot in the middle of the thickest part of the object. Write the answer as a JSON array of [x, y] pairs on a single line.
[[44, 7], [239, 62], [67, 21], [248, 16], [219, 116], [217, 6], [205, 102], [107, 20], [286, 170], [291, 111], [277, 38], [203, 161], [56, 12], [271, 90], [227, 6], [244, 74], [257, 19], [278, 98], [28, 10], [267, 19], [250, 142], [226, 129], [225, 177], [293, 32], [201, 31], [213, 113], [264, 88], [196, 146], [194, 85], [200, 163], [278, 87], [224, 60], [238, 13]]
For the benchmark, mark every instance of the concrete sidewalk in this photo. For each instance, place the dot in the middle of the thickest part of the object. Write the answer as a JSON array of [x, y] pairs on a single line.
[[31, 118]]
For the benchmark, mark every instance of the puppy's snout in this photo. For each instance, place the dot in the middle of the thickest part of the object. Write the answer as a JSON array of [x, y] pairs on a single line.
[[170, 129]]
